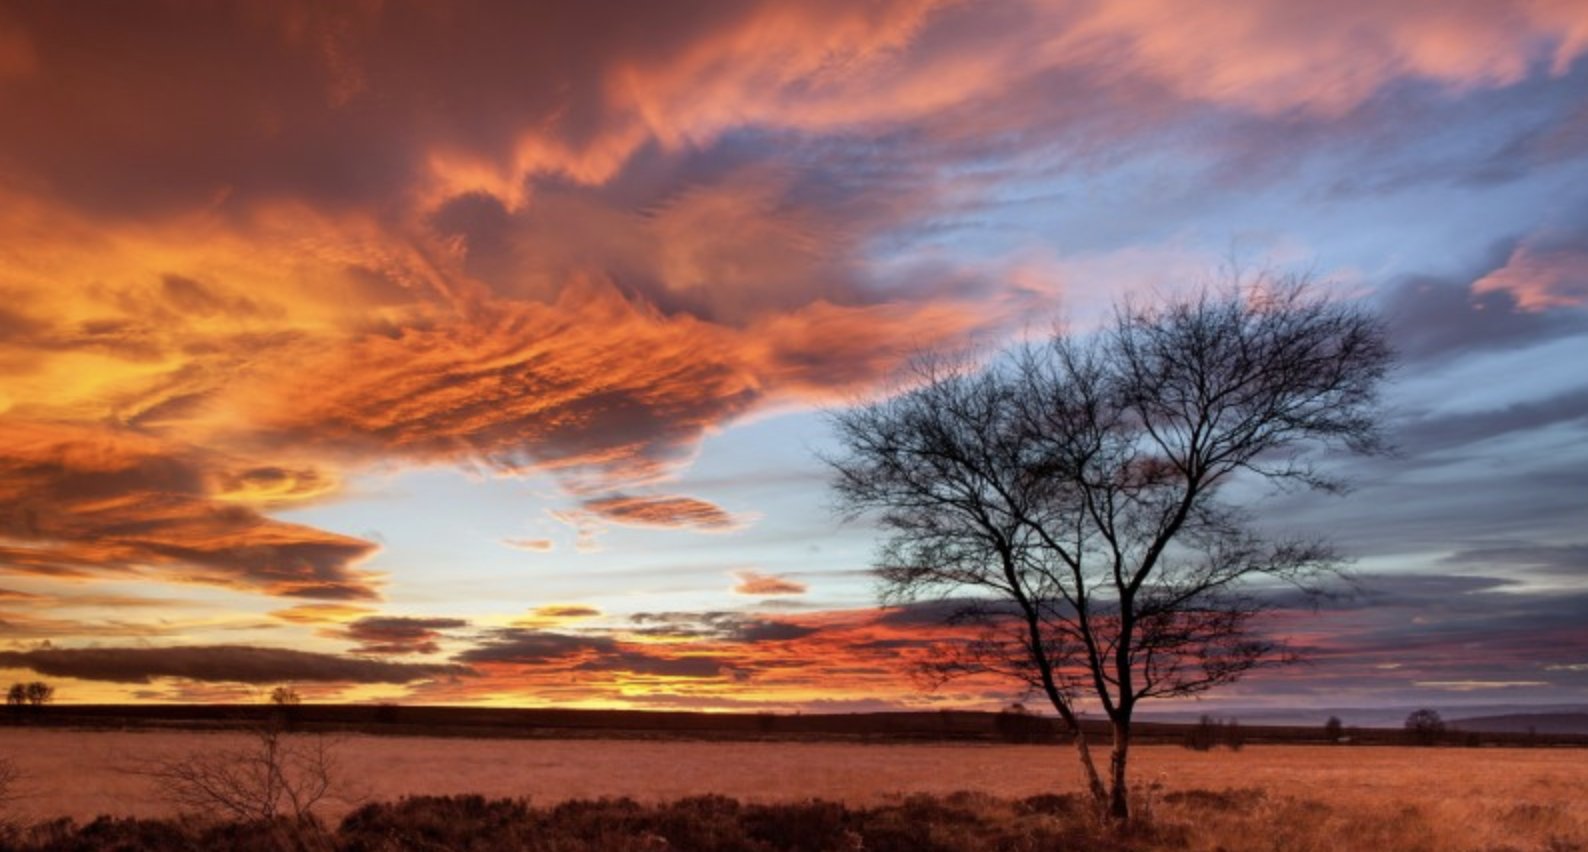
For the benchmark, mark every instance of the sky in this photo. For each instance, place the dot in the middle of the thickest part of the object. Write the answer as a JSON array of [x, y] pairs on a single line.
[[479, 353]]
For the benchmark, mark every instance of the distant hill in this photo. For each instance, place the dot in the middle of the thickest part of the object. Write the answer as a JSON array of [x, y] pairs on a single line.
[[1521, 723]]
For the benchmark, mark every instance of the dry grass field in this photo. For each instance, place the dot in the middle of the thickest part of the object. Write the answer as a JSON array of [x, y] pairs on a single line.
[[1264, 797]]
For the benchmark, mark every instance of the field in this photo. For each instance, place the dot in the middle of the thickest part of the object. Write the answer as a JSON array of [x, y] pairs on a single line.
[[1263, 797]]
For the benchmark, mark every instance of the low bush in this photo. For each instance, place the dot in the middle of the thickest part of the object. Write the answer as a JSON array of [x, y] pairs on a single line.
[[1235, 819], [955, 823]]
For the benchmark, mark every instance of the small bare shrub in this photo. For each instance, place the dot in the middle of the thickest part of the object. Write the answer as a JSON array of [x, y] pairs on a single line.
[[10, 777], [277, 775]]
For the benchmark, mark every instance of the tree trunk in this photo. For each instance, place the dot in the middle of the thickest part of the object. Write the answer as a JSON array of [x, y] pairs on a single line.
[[1118, 785], [1094, 782]]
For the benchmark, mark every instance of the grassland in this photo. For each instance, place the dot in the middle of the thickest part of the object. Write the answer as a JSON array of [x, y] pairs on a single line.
[[1263, 797]]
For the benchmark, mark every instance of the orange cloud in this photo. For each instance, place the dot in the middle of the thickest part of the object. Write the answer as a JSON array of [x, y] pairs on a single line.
[[271, 485], [82, 502], [553, 615], [263, 386], [21, 625], [756, 583], [602, 390], [718, 660], [532, 240], [534, 545], [322, 613], [662, 511]]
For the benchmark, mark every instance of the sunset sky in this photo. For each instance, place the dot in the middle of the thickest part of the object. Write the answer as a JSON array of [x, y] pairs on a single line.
[[443, 353]]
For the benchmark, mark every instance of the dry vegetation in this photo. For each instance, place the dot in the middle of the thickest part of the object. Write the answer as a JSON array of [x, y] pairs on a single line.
[[1264, 797]]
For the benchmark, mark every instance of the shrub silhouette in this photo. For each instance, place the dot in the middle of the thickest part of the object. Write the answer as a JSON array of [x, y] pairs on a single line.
[[277, 775], [1017, 724], [1234, 735], [811, 826], [1202, 736]]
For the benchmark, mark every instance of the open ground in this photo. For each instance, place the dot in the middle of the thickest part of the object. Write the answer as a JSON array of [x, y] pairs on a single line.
[[1268, 796]]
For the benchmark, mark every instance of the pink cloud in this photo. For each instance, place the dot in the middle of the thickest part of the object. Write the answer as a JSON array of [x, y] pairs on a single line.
[[756, 583], [1541, 277]]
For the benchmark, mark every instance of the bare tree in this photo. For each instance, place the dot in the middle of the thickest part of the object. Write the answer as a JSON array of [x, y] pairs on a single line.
[[285, 696], [1070, 496], [276, 774]]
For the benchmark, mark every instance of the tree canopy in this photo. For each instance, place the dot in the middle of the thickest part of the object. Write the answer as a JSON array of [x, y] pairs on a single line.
[[1070, 495]]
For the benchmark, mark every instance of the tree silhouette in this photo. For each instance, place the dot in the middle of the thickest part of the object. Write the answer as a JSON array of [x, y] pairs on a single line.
[[40, 693], [1068, 497], [1425, 726], [1203, 735], [34, 694], [1017, 724]]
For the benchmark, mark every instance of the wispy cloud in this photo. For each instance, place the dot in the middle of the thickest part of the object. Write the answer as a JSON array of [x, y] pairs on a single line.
[[756, 583]]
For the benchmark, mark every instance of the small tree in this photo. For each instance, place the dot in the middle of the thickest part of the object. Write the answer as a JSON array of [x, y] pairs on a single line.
[[1333, 730], [34, 694], [1067, 497], [1425, 727], [1202, 735], [285, 696], [39, 693]]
